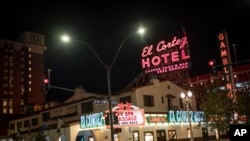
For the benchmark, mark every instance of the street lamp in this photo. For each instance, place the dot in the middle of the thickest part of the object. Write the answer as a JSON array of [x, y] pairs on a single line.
[[108, 68], [187, 102]]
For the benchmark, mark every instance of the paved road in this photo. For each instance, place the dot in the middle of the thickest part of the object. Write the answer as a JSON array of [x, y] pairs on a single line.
[[220, 140]]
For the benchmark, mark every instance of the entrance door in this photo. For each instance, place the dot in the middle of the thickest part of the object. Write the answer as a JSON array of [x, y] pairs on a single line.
[[161, 135]]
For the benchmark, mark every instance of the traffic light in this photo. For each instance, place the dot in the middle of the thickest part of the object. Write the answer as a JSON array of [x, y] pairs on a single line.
[[212, 65], [45, 86]]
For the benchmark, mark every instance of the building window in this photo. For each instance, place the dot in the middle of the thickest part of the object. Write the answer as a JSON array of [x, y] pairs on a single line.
[[148, 100], [4, 102], [181, 103], [46, 116], [12, 126], [125, 99], [87, 107], [26, 123], [5, 111], [11, 110], [19, 125], [168, 87], [34, 121]]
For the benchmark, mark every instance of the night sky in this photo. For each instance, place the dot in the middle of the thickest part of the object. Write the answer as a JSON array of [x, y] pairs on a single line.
[[105, 25]]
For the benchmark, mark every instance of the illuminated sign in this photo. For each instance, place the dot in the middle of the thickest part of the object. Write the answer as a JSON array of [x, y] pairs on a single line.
[[166, 56], [156, 119], [92, 120], [182, 116], [100, 101], [130, 117], [226, 61], [127, 114]]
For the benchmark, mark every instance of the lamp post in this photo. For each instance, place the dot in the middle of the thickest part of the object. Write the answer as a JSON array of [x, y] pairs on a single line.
[[187, 101], [108, 68]]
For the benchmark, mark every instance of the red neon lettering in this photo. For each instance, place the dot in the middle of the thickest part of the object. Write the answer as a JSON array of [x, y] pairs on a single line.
[[175, 56], [222, 45], [224, 61], [145, 63], [229, 86], [147, 51], [165, 57], [225, 70], [175, 42], [184, 55], [221, 37], [127, 118], [156, 60], [128, 106]]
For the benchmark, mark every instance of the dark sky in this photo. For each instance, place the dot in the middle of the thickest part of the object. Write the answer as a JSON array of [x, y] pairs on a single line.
[[104, 25]]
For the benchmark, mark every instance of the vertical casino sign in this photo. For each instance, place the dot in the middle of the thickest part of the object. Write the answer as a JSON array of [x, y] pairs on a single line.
[[166, 56], [226, 63]]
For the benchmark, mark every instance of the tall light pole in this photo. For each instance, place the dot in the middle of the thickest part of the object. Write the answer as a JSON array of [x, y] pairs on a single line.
[[108, 68], [187, 102]]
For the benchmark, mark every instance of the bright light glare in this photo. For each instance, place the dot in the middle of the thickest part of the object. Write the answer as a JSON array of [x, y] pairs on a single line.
[[182, 95], [141, 31], [189, 94], [65, 38]]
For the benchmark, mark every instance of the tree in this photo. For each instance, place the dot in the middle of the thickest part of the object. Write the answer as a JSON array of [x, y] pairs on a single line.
[[242, 106], [217, 108]]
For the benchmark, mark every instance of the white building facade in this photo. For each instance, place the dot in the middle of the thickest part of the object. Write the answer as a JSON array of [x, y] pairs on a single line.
[[152, 112]]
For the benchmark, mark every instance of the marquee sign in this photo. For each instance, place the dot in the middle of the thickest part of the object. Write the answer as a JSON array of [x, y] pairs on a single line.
[[127, 114], [166, 56], [92, 120]]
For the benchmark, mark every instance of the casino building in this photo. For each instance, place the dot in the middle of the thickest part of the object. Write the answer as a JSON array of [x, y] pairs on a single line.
[[153, 111]]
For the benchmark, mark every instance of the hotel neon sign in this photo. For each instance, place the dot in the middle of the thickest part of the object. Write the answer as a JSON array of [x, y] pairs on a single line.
[[182, 116], [92, 120], [175, 117], [166, 56]]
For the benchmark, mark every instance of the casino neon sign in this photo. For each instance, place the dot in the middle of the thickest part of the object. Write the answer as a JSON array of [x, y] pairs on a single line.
[[182, 116], [166, 56], [92, 120]]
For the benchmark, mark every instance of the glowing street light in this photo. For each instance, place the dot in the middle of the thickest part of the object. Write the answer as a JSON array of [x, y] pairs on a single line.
[[187, 102], [108, 68]]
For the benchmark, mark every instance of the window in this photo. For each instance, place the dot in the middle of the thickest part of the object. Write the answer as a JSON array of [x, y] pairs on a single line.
[[27, 123], [12, 126], [125, 99], [87, 107], [148, 100], [19, 125], [181, 103], [34, 121], [46, 116]]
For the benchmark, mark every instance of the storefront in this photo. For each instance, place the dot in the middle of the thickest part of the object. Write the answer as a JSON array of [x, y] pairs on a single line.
[[135, 125]]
